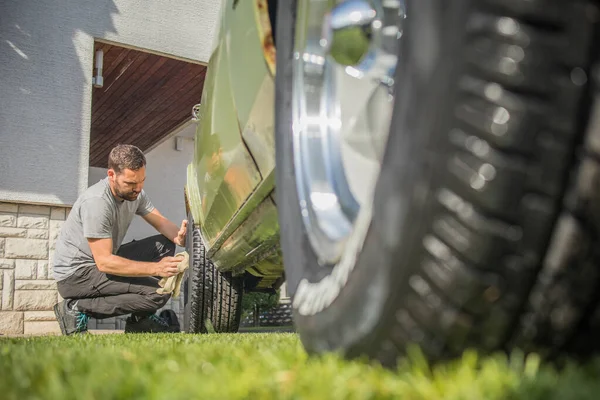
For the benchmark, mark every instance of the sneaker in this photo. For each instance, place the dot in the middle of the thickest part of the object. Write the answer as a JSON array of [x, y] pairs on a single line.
[[171, 318], [70, 320], [149, 324]]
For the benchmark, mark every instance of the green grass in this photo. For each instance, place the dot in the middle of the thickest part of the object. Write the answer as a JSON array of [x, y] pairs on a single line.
[[265, 329], [262, 366]]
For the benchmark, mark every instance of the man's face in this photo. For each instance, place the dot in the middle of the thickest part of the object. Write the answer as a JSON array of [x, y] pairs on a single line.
[[128, 184]]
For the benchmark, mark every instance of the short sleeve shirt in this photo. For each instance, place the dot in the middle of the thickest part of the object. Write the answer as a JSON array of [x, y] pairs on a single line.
[[96, 214]]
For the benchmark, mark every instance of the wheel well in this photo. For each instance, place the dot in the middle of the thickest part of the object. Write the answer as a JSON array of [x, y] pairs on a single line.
[[253, 283], [186, 201], [272, 4]]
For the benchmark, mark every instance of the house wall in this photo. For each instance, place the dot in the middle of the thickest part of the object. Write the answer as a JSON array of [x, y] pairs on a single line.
[[46, 67], [28, 234], [96, 174]]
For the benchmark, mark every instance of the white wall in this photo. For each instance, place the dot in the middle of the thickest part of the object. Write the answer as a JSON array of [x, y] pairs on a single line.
[[95, 174], [166, 171], [46, 66]]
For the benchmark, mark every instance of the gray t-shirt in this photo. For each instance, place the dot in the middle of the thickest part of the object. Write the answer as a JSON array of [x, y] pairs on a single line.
[[96, 214]]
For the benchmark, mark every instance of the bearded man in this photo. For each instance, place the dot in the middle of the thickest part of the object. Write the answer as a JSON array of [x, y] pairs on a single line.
[[97, 275]]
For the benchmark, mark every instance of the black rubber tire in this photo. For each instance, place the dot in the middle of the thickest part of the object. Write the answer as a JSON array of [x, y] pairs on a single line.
[[209, 294], [447, 263]]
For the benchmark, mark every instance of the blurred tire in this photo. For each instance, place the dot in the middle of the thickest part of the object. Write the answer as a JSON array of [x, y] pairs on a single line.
[[486, 214]]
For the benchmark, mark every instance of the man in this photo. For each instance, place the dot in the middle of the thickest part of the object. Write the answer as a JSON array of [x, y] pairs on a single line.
[[96, 276]]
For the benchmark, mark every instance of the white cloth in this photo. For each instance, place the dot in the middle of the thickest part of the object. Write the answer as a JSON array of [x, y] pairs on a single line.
[[172, 284]]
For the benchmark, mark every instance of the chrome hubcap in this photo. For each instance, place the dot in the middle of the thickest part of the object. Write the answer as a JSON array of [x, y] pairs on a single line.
[[344, 65]]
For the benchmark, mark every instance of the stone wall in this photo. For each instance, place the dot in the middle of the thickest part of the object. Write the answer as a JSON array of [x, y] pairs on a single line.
[[28, 236]]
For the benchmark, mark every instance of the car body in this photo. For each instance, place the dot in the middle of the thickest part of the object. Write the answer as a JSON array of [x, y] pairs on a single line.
[[231, 180]]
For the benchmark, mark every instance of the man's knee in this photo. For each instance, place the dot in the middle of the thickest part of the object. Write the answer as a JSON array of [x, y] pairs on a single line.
[[149, 303], [159, 300], [167, 247], [152, 302], [170, 248]]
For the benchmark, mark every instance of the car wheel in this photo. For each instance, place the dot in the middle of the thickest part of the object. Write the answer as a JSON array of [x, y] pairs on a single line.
[[436, 181], [209, 294]]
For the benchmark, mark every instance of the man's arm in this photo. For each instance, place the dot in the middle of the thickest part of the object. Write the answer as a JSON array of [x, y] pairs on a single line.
[[115, 265], [166, 227]]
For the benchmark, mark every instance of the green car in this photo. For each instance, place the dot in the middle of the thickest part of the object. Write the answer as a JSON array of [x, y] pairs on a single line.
[[416, 171]]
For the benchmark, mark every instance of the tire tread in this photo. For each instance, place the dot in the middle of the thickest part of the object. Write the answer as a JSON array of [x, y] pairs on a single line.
[[504, 261], [214, 296]]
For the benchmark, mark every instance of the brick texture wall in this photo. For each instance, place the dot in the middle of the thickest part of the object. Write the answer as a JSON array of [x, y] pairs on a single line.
[[28, 235]]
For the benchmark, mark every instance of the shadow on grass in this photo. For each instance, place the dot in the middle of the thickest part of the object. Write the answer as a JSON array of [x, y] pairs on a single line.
[[267, 329]]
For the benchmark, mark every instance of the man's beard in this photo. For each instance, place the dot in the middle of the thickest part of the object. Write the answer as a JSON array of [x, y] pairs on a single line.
[[129, 196]]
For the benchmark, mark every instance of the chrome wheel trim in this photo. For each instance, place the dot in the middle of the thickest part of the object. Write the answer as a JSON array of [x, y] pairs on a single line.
[[341, 108]]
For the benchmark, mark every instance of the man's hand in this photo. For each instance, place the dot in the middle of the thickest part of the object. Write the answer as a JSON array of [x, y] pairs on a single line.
[[167, 228], [167, 266], [180, 239]]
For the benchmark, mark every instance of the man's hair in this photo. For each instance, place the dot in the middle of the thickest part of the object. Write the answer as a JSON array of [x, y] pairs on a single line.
[[126, 156]]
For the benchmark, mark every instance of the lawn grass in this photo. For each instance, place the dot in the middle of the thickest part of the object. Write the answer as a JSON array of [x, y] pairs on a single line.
[[261, 366], [265, 329]]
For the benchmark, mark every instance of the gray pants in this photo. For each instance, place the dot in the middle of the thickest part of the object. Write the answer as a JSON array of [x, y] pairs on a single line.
[[101, 295]]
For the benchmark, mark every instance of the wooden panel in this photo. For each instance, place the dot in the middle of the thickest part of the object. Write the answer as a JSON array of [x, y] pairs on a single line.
[[144, 97]]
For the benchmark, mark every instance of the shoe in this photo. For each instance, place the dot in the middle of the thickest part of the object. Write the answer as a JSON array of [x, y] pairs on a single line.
[[149, 324], [171, 318], [69, 319]]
